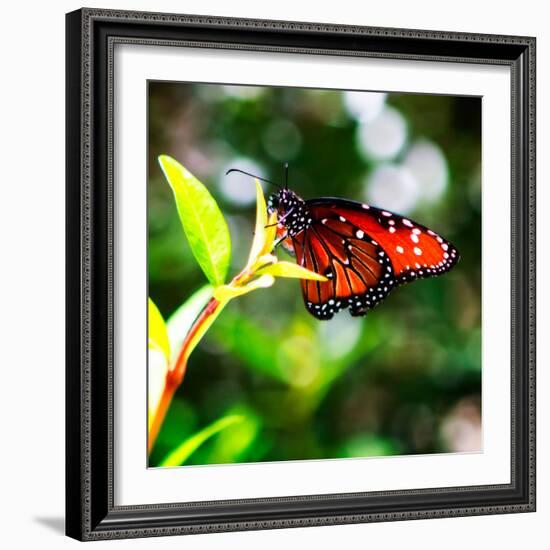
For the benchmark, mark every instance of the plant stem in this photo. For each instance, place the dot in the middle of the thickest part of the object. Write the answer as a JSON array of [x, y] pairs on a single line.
[[176, 373]]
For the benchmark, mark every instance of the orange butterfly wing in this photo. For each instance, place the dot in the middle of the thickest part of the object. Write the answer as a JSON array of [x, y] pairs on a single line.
[[364, 252]]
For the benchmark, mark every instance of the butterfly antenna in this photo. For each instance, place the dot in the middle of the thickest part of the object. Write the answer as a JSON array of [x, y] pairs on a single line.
[[286, 175], [252, 176]]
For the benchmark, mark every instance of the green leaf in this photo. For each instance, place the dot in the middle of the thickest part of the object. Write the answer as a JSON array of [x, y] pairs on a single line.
[[179, 424], [258, 242], [265, 229], [179, 323], [293, 271], [158, 336], [227, 292], [178, 456], [235, 443], [202, 220]]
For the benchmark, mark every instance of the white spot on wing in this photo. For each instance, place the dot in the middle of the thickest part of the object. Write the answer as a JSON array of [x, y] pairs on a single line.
[[417, 251]]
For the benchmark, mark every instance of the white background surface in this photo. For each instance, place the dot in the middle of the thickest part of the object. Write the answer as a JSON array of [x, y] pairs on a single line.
[[32, 229]]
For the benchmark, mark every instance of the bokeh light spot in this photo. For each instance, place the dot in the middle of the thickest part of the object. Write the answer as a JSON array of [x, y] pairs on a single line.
[[427, 163], [282, 140], [299, 360], [384, 136], [339, 335], [244, 92], [461, 429], [239, 188], [392, 187], [364, 106]]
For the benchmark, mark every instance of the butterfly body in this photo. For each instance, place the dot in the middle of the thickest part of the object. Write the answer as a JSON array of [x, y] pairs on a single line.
[[363, 251], [292, 211]]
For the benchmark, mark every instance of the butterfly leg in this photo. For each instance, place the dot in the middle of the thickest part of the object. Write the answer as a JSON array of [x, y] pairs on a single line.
[[281, 219], [280, 240]]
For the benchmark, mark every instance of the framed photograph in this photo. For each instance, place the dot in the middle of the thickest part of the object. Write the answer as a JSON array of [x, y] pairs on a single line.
[[300, 274]]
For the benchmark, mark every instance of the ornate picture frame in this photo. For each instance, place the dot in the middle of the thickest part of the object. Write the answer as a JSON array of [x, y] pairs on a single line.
[[91, 509]]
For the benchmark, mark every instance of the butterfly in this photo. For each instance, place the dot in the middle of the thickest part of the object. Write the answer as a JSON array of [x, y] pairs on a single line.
[[363, 251]]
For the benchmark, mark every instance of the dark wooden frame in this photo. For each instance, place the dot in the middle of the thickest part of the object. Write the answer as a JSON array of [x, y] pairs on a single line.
[[91, 36]]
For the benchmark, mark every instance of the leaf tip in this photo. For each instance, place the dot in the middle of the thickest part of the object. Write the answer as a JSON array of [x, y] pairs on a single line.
[[163, 160]]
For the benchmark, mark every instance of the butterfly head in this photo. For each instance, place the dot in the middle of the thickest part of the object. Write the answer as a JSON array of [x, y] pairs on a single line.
[[292, 212]]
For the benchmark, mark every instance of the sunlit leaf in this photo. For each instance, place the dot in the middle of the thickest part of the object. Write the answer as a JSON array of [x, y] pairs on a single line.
[[259, 240], [227, 292], [191, 444], [234, 443], [270, 233], [158, 336], [180, 321], [202, 220], [291, 270], [179, 424], [157, 368]]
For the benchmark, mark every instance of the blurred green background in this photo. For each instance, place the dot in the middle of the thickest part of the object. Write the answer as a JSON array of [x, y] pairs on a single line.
[[406, 379]]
